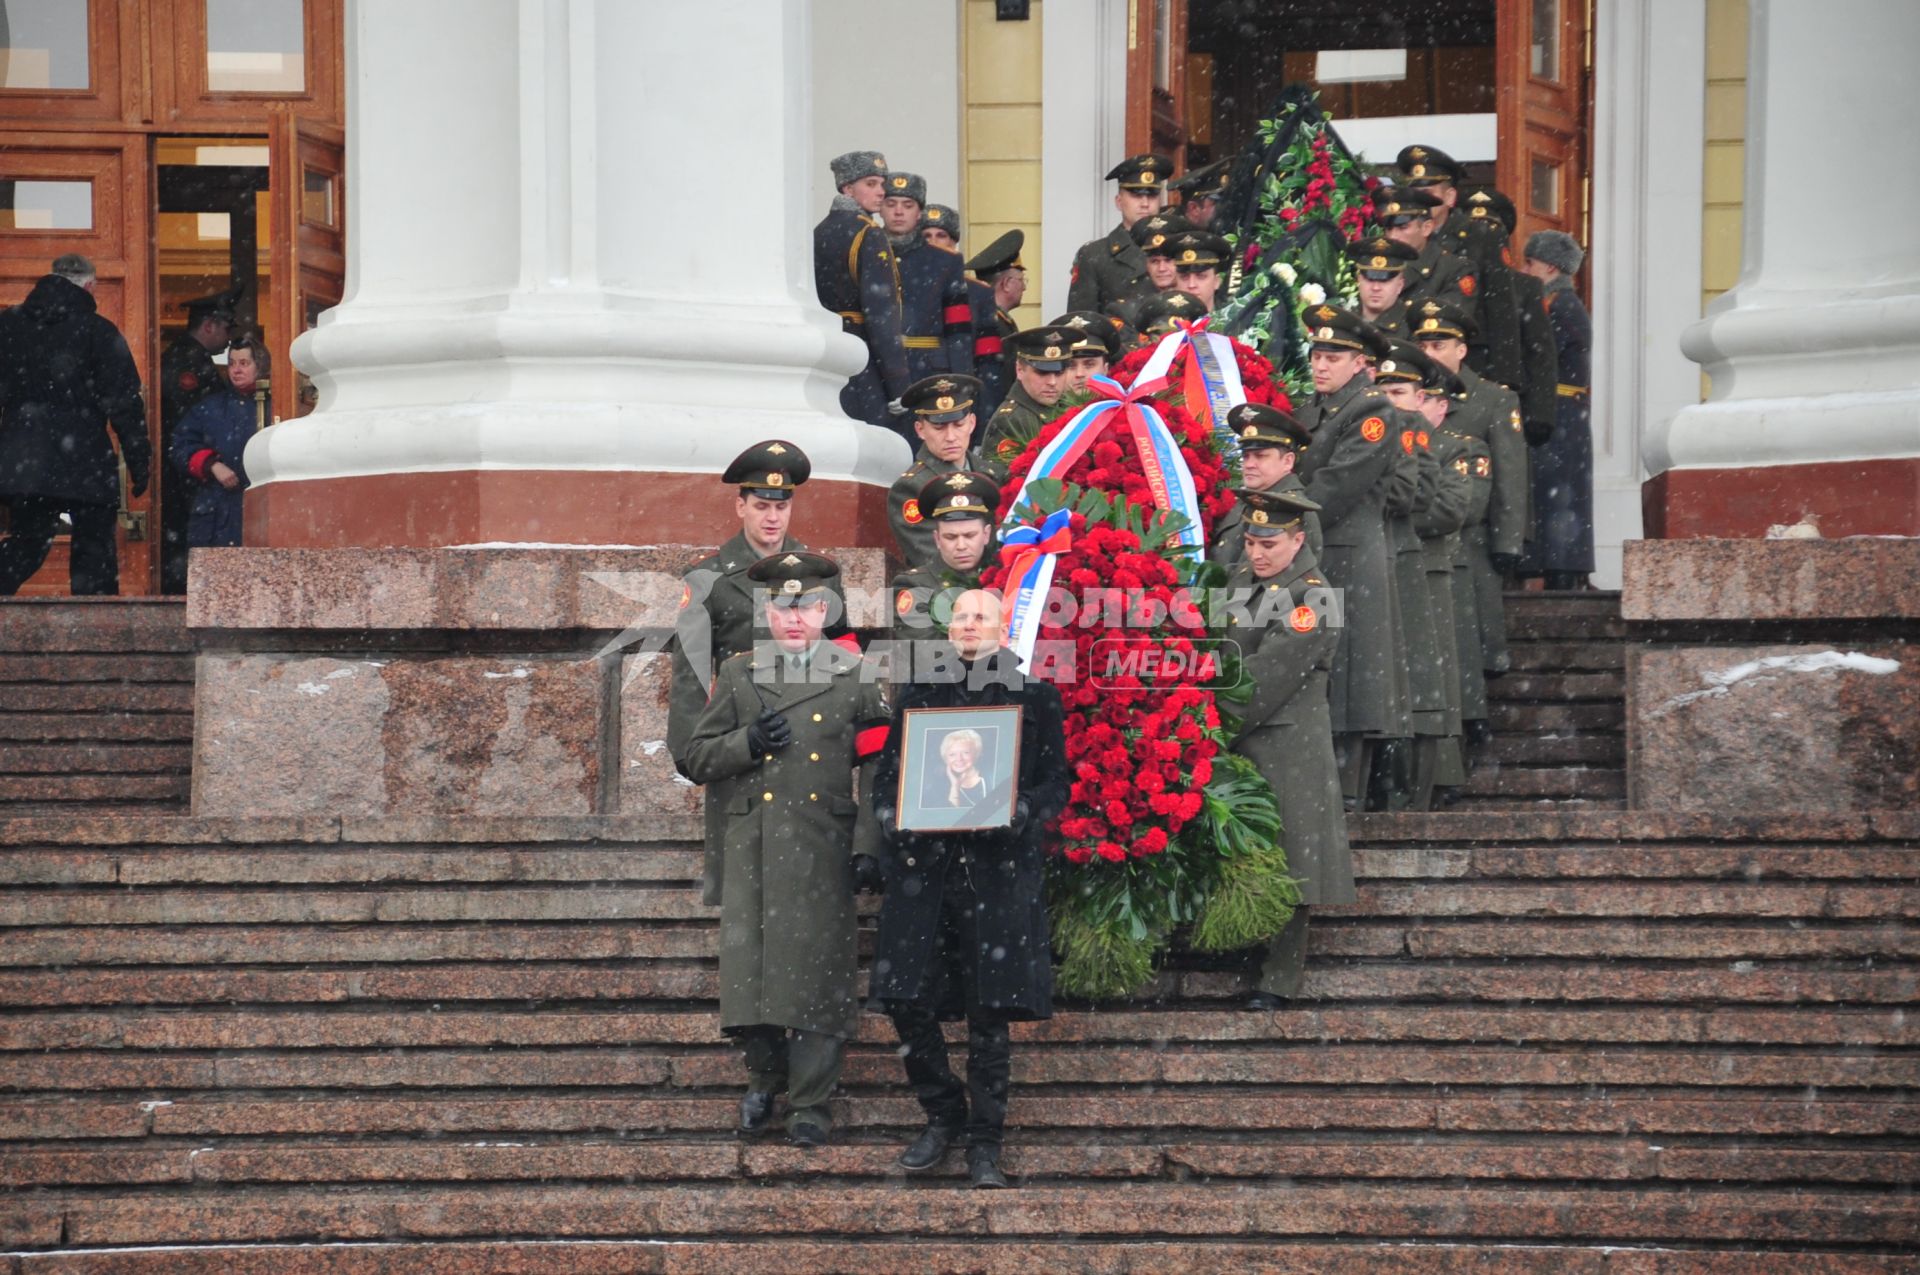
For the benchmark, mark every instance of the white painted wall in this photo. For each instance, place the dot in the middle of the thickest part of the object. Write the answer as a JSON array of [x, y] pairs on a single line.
[[1083, 122], [886, 77]]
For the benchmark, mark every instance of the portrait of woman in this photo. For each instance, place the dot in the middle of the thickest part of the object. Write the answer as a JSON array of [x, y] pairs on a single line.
[[960, 764]]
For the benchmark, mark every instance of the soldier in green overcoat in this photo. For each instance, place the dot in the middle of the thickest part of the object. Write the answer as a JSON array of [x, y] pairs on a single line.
[[1110, 269], [786, 727], [1040, 359], [717, 613], [1406, 214], [960, 509], [1287, 643], [942, 411], [1380, 268], [1270, 445]]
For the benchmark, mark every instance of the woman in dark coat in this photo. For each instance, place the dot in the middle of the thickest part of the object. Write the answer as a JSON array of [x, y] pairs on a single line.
[[1562, 549], [963, 929], [210, 443]]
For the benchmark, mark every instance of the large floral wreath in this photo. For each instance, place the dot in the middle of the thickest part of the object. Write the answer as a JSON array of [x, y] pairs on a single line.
[[1164, 826]]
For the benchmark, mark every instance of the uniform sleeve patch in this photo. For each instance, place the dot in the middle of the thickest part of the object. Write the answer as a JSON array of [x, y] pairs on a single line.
[[1461, 465], [1421, 438], [686, 596], [1467, 285], [903, 602], [911, 512], [1007, 449], [188, 381], [1406, 441], [1373, 429], [1482, 467], [1303, 619]]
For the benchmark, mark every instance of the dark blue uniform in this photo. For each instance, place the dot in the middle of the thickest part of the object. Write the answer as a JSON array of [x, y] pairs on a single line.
[[936, 316], [215, 428], [853, 271], [992, 361]]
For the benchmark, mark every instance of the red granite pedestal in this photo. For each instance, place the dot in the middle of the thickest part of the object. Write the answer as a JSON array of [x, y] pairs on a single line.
[[444, 681], [1773, 676]]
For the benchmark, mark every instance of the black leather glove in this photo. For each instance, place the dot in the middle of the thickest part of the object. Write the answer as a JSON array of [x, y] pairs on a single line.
[[889, 823], [1538, 432], [867, 877], [1022, 816], [769, 733], [1505, 563]]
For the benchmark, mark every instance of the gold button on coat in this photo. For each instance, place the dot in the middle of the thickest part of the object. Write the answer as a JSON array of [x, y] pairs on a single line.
[[766, 796]]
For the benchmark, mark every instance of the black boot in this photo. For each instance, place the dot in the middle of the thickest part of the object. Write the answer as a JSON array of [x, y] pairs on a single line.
[[983, 1166], [756, 1113], [930, 1148]]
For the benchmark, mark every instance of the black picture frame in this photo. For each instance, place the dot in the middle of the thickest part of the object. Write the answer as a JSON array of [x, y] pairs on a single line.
[[934, 794]]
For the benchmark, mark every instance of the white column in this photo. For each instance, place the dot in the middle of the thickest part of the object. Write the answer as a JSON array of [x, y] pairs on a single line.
[[1083, 95], [1648, 138], [1815, 354], [579, 239]]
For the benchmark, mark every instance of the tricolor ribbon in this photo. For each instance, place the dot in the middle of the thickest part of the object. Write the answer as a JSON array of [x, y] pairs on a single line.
[[1166, 469], [1210, 377], [1032, 553]]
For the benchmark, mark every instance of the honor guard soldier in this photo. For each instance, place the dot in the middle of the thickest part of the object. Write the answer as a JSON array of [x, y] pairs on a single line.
[[1199, 257], [1348, 470], [1040, 357], [1407, 216], [942, 408], [1096, 344], [1270, 445], [1563, 464], [961, 508], [1201, 191], [1154, 236], [998, 286], [1400, 374], [936, 315], [1490, 413], [853, 272], [716, 604], [1286, 649], [1106, 270], [940, 226], [187, 375], [1475, 233], [1157, 314], [1380, 268], [1539, 354], [777, 745]]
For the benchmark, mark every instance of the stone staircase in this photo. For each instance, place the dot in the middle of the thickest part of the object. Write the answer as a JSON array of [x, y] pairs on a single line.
[[1559, 717], [96, 705], [1578, 1041]]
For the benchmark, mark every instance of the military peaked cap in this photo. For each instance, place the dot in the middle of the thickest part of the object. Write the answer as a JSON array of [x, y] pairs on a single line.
[[1045, 349], [1439, 321], [795, 577], [1154, 233], [1404, 361], [771, 469], [1094, 333], [1002, 254], [1199, 249], [1141, 172], [1268, 513], [1377, 252], [1158, 313], [1428, 166], [1258, 425], [962, 495], [1331, 327], [938, 399]]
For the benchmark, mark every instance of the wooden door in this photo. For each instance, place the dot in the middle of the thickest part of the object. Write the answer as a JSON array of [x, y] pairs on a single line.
[[86, 193], [1544, 57], [306, 184], [1157, 79]]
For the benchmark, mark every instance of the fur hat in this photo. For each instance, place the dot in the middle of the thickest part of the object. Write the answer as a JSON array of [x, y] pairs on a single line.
[[1556, 248]]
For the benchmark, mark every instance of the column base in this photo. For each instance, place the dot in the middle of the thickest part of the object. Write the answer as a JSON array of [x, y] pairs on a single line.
[[1842, 498], [440, 508]]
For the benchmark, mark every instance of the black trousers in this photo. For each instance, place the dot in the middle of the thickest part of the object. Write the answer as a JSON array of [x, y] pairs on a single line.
[[980, 1105], [94, 566]]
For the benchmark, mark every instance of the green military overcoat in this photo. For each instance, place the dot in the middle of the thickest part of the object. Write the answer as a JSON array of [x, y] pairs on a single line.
[[1108, 269], [792, 827], [1229, 534], [912, 529], [1018, 418], [1287, 649]]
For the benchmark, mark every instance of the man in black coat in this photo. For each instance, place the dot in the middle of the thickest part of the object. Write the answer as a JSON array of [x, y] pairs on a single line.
[[65, 377], [963, 930]]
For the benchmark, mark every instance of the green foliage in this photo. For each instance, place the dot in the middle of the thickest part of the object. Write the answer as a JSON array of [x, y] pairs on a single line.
[[1253, 898], [1106, 935]]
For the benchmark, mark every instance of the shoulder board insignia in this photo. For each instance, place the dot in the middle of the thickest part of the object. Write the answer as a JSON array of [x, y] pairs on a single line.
[[1516, 418], [1461, 465], [1316, 581], [1303, 619], [911, 511], [1373, 429]]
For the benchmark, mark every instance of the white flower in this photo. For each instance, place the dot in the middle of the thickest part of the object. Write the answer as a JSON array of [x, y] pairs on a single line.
[[1313, 294], [1285, 273]]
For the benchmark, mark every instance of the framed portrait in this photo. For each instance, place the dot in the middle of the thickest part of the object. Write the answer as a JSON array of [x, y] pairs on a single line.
[[959, 768]]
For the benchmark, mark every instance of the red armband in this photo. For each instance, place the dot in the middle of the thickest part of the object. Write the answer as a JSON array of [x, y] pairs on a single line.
[[848, 642], [959, 315], [200, 463], [986, 345], [869, 742]]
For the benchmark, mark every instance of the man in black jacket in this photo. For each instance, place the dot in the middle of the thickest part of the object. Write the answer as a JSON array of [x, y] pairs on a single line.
[[963, 930], [65, 377]]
